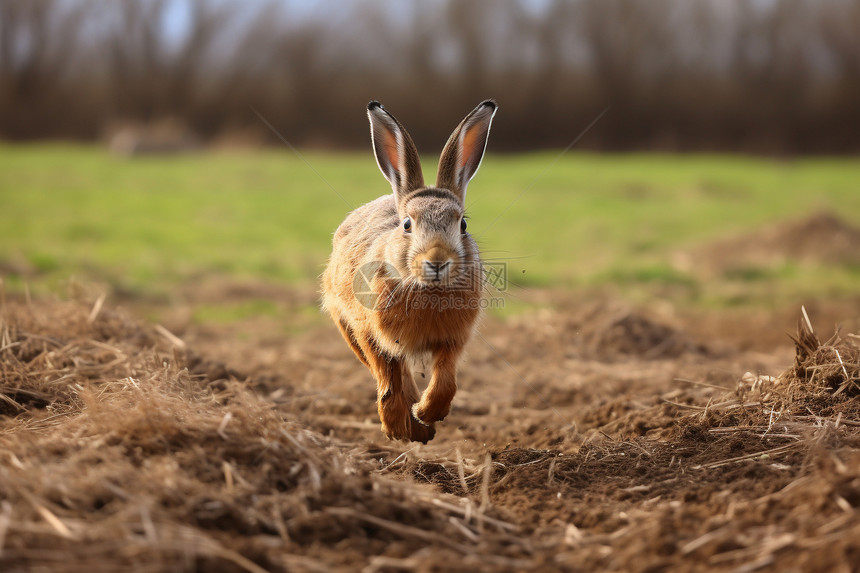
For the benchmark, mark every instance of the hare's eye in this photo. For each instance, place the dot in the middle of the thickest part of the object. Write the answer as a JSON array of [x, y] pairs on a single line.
[[407, 225], [463, 225]]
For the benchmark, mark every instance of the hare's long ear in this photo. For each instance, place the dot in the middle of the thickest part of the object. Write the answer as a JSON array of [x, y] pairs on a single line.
[[396, 155], [465, 149]]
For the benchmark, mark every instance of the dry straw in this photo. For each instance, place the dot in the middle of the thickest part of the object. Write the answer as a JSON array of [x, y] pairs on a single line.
[[117, 454]]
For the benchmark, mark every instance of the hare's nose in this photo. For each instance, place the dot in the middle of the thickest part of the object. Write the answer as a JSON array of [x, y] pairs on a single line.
[[436, 270]]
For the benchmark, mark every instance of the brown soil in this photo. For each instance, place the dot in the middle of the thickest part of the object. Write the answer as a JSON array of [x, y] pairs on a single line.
[[821, 238], [594, 437]]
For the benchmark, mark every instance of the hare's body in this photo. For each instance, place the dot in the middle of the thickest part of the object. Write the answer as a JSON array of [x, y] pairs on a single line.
[[405, 280], [404, 321]]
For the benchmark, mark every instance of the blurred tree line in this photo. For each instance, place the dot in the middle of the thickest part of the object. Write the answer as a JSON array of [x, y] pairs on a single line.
[[749, 75]]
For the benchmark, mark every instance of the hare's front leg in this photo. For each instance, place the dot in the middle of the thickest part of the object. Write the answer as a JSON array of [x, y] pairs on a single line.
[[436, 401]]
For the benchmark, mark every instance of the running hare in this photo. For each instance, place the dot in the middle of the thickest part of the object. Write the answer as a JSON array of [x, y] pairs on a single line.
[[404, 280]]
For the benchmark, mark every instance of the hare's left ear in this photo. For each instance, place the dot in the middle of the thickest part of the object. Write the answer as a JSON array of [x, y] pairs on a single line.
[[395, 153], [465, 149]]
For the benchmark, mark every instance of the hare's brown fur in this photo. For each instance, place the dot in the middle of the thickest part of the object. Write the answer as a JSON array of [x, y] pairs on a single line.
[[409, 312]]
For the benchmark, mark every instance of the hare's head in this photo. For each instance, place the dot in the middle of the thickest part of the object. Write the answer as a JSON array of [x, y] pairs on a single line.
[[431, 244]]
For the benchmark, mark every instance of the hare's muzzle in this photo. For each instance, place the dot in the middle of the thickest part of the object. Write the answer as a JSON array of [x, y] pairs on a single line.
[[435, 266], [436, 272]]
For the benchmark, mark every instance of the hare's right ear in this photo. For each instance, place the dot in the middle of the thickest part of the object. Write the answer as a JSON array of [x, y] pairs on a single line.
[[396, 155], [464, 151]]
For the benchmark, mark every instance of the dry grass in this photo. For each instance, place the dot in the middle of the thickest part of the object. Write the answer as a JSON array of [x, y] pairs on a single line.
[[116, 455]]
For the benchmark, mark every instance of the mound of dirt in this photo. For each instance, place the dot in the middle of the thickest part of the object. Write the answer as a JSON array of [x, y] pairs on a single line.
[[832, 367], [821, 238], [52, 350], [823, 382], [610, 330]]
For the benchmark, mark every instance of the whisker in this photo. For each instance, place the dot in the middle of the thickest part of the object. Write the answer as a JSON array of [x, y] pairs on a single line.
[[391, 294], [507, 258], [395, 292], [412, 285]]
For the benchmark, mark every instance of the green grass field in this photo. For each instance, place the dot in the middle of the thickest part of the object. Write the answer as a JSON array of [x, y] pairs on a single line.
[[578, 221]]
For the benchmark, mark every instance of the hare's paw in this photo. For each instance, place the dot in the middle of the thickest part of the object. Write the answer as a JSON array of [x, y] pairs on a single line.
[[414, 431], [429, 413], [398, 432], [395, 416], [421, 432]]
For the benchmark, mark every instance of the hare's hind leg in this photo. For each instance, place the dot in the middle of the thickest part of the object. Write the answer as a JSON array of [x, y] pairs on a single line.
[[410, 388], [393, 403], [349, 335], [436, 401], [420, 432], [396, 390]]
